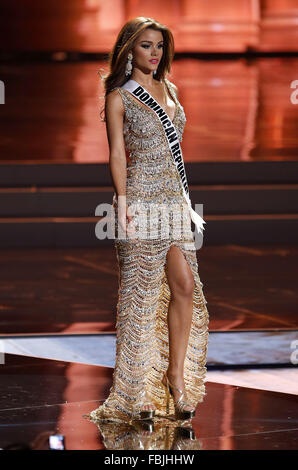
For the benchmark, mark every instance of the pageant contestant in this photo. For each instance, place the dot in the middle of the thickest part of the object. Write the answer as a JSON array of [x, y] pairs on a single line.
[[162, 318]]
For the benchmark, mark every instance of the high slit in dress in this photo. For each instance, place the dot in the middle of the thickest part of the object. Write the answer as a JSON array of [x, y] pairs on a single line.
[[142, 349]]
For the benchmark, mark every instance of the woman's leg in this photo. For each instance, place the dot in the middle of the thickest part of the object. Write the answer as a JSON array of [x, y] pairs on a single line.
[[181, 284]]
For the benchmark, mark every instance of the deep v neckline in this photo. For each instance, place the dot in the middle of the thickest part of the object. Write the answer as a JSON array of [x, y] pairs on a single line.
[[151, 110]]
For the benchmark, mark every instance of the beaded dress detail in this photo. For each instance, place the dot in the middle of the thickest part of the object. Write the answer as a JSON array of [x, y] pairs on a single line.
[[142, 349]]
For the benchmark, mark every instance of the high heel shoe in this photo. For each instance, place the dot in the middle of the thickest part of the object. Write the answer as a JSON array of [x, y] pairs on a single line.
[[143, 426], [185, 439], [185, 433], [180, 411], [148, 413]]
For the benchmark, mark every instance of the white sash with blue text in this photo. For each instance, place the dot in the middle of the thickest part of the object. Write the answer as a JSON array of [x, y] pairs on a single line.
[[172, 138]]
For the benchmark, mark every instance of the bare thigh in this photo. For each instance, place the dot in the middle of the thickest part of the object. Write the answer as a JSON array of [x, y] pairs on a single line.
[[179, 274]]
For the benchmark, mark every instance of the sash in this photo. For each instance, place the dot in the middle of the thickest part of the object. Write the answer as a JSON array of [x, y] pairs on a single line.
[[173, 142]]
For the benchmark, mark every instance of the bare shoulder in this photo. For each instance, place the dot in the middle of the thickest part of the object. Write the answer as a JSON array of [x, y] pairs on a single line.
[[114, 101]]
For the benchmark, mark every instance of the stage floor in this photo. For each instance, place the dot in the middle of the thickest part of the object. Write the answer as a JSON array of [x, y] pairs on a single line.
[[40, 397]]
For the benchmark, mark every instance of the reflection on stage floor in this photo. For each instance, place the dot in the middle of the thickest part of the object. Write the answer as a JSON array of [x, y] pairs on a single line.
[[41, 397]]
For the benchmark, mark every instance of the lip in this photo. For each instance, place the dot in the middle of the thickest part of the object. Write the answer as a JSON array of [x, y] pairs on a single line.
[[153, 61]]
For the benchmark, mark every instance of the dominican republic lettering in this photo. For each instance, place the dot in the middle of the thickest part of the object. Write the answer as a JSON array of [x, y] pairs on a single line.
[[170, 132], [152, 104]]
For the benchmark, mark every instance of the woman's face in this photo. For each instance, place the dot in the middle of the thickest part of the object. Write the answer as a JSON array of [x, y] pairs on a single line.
[[148, 50]]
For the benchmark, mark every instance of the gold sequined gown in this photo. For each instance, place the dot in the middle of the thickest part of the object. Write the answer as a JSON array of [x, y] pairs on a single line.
[[142, 350]]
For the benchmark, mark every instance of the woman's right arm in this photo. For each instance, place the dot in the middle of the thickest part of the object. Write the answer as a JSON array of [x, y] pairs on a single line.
[[114, 112]]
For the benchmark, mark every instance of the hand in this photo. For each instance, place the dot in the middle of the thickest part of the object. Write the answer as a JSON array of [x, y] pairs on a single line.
[[125, 219]]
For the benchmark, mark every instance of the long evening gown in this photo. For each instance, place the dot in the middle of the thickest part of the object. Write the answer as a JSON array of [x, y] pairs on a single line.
[[142, 349]]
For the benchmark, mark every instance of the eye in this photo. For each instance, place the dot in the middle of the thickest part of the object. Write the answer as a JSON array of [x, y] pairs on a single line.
[[147, 45]]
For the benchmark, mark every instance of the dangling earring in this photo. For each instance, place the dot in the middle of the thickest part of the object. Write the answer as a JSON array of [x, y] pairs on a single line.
[[128, 68], [154, 73]]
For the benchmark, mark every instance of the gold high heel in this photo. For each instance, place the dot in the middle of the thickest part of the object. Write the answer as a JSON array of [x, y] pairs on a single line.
[[147, 414], [180, 412], [143, 426], [185, 439]]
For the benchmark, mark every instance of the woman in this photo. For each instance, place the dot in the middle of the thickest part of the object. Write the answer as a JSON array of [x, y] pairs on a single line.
[[162, 318]]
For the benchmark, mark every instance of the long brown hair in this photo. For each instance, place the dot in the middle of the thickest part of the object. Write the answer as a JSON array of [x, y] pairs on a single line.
[[127, 36]]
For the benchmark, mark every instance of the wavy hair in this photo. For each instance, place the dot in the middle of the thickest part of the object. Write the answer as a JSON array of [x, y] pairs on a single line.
[[125, 41]]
